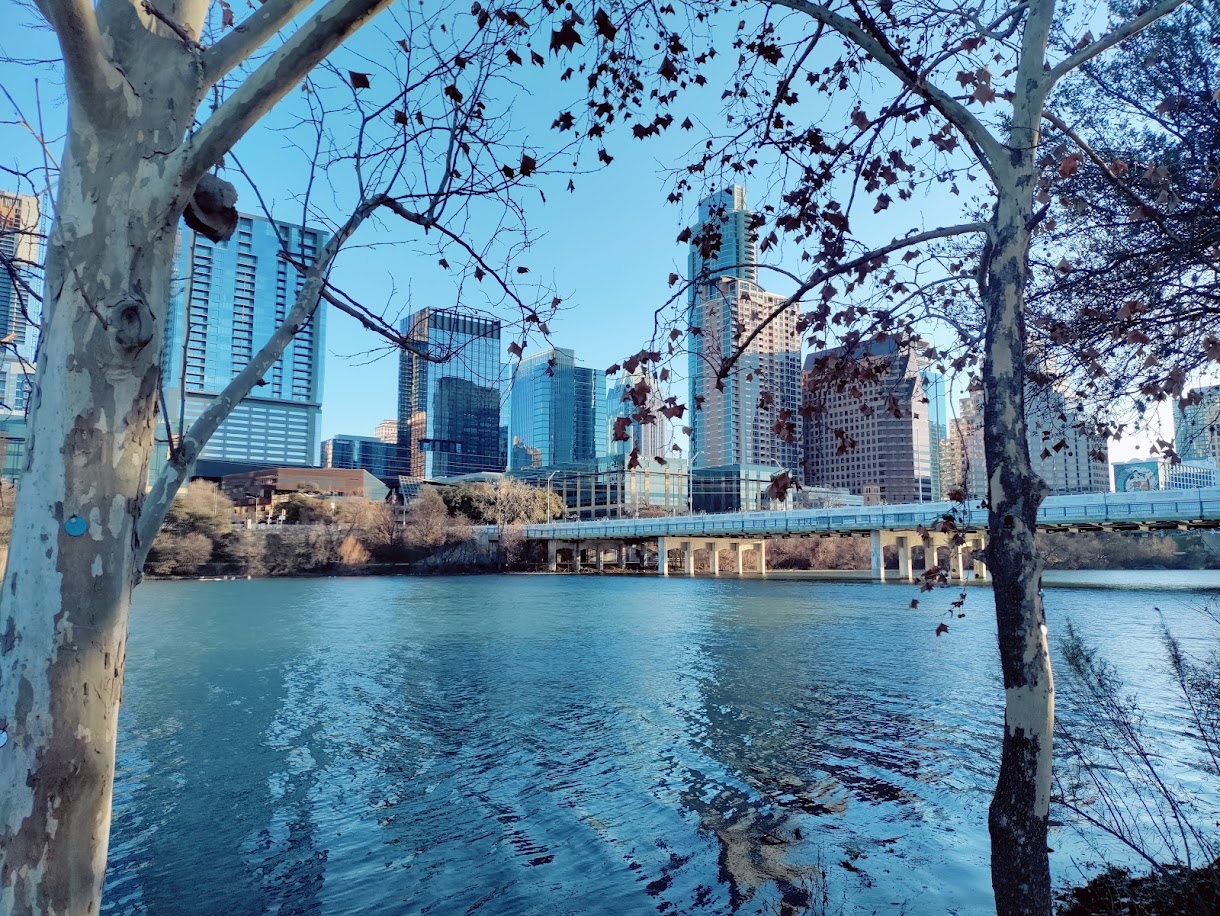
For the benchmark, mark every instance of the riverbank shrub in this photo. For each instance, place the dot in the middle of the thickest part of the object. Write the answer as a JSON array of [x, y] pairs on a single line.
[[1169, 891], [8, 503], [1123, 550], [1112, 780], [197, 529], [818, 553], [506, 502]]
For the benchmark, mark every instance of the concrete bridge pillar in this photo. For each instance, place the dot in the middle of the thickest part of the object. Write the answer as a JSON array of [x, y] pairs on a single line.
[[576, 552], [904, 559], [877, 555], [735, 546], [932, 552], [620, 555], [688, 557], [761, 550], [662, 557], [552, 549], [957, 572], [597, 553], [981, 572], [714, 548]]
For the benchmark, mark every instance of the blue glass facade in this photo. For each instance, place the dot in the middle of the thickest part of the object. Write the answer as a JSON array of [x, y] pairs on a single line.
[[558, 412], [607, 488], [230, 299], [381, 459], [1197, 427], [449, 394]]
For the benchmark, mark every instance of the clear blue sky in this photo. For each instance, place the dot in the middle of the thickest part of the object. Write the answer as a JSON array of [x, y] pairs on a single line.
[[608, 248]]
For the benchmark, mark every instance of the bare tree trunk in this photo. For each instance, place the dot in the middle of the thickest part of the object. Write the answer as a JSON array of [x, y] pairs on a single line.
[[65, 599], [135, 76], [1020, 865]]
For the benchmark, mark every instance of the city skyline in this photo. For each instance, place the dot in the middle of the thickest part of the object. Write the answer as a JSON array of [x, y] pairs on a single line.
[[16, 383], [601, 323]]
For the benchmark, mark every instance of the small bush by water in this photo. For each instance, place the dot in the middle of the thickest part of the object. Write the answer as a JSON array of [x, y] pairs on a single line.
[[1112, 779]]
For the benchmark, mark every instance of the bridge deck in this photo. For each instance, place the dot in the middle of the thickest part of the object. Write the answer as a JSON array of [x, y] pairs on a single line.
[[1164, 509]]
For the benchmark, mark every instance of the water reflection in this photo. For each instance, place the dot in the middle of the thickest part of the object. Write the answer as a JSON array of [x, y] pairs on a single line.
[[554, 744], [817, 764]]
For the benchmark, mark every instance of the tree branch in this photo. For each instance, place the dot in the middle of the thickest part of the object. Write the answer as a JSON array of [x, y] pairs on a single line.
[[1122, 33], [80, 40], [991, 152], [1031, 84], [288, 65], [177, 28], [1155, 215], [821, 276], [248, 36], [428, 222]]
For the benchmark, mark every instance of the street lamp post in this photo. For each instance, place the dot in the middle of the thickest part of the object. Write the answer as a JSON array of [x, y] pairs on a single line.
[[690, 483], [550, 500]]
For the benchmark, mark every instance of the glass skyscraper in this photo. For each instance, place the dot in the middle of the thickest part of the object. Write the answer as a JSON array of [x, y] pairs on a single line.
[[16, 381], [721, 244], [648, 440], [1197, 427], [934, 390], [378, 457], [19, 244], [557, 412], [231, 298], [449, 394]]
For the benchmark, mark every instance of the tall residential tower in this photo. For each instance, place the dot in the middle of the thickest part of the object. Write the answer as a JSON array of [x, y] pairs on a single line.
[[734, 419], [19, 247], [20, 282], [231, 298]]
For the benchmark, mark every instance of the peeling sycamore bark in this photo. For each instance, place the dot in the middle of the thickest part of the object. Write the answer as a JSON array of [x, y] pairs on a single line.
[[82, 521], [1020, 866]]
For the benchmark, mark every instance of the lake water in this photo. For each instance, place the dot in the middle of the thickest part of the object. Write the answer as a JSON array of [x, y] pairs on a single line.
[[562, 744]]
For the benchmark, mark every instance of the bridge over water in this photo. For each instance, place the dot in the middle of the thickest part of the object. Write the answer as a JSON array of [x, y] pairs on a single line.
[[898, 526]]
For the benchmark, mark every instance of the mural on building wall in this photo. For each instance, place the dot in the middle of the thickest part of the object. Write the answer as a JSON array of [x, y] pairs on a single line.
[[1134, 476]]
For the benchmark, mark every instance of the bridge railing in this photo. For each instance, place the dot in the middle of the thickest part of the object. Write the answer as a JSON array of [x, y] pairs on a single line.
[[1085, 509]]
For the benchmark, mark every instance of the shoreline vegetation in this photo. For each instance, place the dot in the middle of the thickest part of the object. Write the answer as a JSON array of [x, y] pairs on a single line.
[[436, 534]]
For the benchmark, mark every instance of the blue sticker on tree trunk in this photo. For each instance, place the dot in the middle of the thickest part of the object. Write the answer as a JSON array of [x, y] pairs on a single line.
[[76, 526]]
